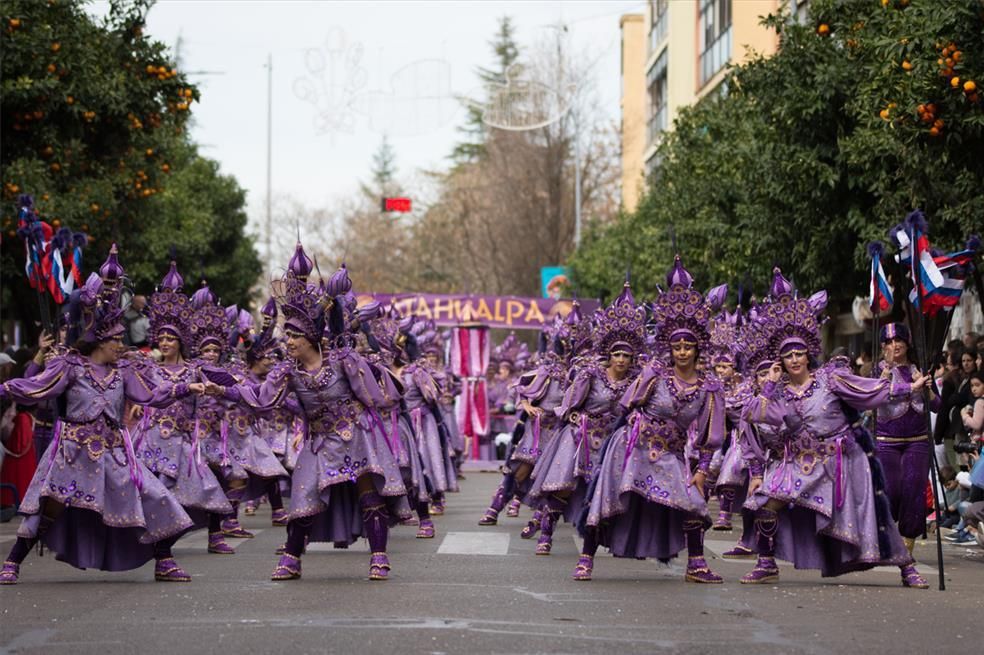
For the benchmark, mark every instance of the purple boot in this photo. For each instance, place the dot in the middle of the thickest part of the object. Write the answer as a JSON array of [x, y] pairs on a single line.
[[723, 522], [585, 565], [491, 516], [697, 569], [512, 509], [288, 568], [278, 518], [167, 570], [232, 528], [912, 578], [374, 521], [766, 570], [545, 543], [218, 545], [426, 529], [726, 496], [533, 526], [739, 552], [379, 567], [9, 573], [699, 572]]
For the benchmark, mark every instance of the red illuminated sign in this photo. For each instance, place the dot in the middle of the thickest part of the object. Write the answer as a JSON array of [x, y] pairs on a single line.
[[397, 205]]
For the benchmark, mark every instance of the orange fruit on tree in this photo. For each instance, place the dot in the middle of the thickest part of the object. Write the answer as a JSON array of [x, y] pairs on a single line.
[[823, 29], [55, 47], [957, 56], [969, 86], [906, 65], [955, 82], [934, 132], [884, 114]]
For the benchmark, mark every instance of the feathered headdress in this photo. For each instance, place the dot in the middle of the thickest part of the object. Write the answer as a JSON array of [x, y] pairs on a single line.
[[95, 313], [621, 326], [724, 343], [681, 313], [790, 322], [170, 310], [208, 325], [303, 305]]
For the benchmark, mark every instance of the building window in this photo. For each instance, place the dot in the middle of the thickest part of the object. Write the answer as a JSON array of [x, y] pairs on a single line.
[[653, 165], [660, 23], [715, 37], [799, 11], [658, 89]]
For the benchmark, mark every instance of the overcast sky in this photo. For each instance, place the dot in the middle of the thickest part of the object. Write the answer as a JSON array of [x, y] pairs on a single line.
[[370, 67]]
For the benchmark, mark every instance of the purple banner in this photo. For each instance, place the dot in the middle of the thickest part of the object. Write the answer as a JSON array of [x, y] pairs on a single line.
[[512, 312]]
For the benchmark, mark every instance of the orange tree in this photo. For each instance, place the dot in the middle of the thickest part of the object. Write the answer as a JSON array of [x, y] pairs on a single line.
[[814, 151], [94, 118]]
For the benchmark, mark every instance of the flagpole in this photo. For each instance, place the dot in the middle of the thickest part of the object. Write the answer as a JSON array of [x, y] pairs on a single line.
[[875, 250], [924, 356]]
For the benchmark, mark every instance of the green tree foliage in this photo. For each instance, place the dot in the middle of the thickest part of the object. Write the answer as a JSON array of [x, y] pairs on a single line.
[[813, 152], [94, 119], [506, 52]]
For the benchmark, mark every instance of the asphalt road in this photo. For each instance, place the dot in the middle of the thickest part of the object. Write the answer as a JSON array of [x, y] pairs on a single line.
[[481, 590]]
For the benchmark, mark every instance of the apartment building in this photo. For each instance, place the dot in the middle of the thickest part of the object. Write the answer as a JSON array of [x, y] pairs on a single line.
[[685, 47]]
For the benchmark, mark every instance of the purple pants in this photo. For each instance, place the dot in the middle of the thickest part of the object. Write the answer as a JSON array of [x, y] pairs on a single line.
[[906, 467]]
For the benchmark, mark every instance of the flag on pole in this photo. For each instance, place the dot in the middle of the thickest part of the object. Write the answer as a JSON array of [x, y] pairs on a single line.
[[937, 281], [880, 297]]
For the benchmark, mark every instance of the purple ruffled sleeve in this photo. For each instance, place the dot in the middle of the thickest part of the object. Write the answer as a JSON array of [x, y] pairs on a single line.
[[270, 393], [425, 384], [711, 428], [361, 380], [142, 385], [769, 407], [576, 393], [867, 393], [639, 391], [56, 377], [534, 386]]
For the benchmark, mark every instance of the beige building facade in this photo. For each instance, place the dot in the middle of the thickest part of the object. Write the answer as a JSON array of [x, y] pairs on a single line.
[[686, 46]]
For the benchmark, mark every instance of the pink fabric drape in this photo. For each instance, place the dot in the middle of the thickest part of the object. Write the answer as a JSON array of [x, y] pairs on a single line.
[[469, 358]]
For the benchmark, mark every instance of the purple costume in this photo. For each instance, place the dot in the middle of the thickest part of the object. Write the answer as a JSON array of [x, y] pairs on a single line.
[[115, 509], [234, 445], [643, 504], [643, 496], [420, 394], [341, 443], [344, 443], [903, 451], [589, 411], [542, 388], [167, 440], [168, 444], [821, 504], [501, 398], [821, 471]]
